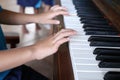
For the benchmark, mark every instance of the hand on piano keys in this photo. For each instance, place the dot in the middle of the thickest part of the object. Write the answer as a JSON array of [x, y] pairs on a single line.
[[50, 45], [57, 8], [49, 17]]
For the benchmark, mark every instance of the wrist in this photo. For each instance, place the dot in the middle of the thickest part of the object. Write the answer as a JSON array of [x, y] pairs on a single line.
[[37, 18], [32, 52], [35, 53]]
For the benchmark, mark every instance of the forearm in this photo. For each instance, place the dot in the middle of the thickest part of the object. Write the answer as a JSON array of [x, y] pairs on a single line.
[[15, 57], [13, 18], [41, 49]]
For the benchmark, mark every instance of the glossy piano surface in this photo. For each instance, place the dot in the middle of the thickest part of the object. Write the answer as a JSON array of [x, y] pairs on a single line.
[[115, 4], [64, 65], [110, 10]]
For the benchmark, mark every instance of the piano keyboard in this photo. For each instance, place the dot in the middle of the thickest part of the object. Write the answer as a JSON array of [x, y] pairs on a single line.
[[94, 50]]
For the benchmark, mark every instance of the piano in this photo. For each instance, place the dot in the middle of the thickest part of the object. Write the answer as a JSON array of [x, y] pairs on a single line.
[[94, 53]]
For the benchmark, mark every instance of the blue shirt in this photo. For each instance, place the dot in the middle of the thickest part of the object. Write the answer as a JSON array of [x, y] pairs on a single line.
[[2, 47], [38, 4], [49, 2]]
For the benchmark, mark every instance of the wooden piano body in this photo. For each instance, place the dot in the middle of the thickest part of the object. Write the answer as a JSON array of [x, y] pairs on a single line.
[[62, 62]]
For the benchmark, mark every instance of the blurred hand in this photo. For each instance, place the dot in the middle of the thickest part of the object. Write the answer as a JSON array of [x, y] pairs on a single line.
[[57, 8], [48, 17]]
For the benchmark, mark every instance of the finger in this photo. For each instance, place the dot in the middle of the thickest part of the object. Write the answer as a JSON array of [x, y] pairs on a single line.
[[61, 31], [52, 8], [60, 13], [61, 41], [64, 34], [59, 8], [57, 13]]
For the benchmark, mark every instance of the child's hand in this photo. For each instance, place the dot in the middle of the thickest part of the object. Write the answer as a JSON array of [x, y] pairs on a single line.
[[51, 44], [57, 8], [48, 17]]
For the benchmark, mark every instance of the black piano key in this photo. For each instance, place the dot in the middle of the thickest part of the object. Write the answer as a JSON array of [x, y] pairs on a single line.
[[105, 44], [107, 51], [85, 9], [90, 15], [84, 4], [108, 57], [112, 75], [99, 29], [95, 25], [88, 11], [93, 17], [108, 64], [101, 33], [104, 38], [98, 19], [81, 1], [95, 22]]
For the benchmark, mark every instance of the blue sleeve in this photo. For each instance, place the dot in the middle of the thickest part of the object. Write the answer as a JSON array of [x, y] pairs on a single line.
[[38, 5], [49, 2], [2, 47], [0, 8], [2, 38], [4, 74]]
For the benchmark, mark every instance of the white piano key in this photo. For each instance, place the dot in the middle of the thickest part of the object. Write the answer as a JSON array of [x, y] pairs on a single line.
[[90, 75], [81, 51], [73, 14], [81, 46], [78, 38], [86, 61], [81, 42], [77, 25], [93, 68], [86, 55], [72, 18], [76, 18], [74, 26], [86, 46], [70, 7]]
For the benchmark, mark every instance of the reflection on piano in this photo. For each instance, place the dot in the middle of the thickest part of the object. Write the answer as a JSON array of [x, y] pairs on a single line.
[[94, 53]]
